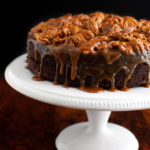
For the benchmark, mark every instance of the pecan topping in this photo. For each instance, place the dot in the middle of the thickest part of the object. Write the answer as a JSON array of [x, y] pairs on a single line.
[[92, 25], [95, 32], [78, 39]]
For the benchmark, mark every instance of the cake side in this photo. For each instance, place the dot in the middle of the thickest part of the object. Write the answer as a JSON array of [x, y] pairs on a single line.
[[127, 71]]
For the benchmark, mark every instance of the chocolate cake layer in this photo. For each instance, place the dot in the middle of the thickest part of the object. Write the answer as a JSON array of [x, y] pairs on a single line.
[[139, 77], [96, 50]]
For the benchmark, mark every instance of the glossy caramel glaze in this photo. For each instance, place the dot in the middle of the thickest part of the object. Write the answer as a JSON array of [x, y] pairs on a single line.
[[91, 89], [83, 65], [36, 78]]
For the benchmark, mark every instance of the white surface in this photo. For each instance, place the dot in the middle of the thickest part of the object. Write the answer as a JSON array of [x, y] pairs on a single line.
[[21, 80], [96, 134]]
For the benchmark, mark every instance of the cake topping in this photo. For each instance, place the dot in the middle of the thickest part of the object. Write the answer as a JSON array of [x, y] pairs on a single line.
[[95, 32]]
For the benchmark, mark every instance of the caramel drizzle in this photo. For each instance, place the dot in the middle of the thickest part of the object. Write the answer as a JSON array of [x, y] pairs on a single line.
[[37, 78], [127, 77], [61, 53], [66, 74], [74, 60], [91, 89], [113, 89], [57, 72]]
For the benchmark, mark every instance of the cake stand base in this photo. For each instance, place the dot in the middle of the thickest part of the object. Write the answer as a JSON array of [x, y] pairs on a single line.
[[97, 134]]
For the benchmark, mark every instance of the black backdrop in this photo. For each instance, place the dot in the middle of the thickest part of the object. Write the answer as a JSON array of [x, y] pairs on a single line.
[[18, 17]]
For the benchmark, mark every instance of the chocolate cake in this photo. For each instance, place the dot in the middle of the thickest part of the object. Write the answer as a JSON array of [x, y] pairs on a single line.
[[95, 51]]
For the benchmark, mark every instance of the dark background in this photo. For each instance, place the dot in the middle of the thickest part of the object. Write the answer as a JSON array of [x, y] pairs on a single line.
[[18, 17]]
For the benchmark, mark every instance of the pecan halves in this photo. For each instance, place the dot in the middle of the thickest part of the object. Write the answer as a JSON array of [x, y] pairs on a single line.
[[78, 39], [93, 26], [112, 31], [41, 39]]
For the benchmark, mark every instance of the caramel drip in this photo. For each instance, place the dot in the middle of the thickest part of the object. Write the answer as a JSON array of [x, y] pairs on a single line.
[[41, 65], [129, 72], [36, 78], [147, 85], [55, 83], [65, 86], [74, 56], [124, 89], [66, 74], [91, 89], [81, 81], [60, 53], [26, 61], [57, 71], [62, 68], [28, 47], [26, 67], [113, 82], [36, 54], [111, 55], [148, 82], [112, 89], [95, 83]]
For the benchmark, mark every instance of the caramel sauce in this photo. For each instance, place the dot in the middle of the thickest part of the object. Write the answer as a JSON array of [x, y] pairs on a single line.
[[91, 89], [112, 90], [147, 86], [26, 67], [36, 78], [108, 66], [65, 86], [26, 61], [62, 68], [55, 83], [74, 56], [125, 89]]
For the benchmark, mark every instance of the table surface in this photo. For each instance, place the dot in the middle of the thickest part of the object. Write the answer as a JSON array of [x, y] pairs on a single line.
[[27, 124]]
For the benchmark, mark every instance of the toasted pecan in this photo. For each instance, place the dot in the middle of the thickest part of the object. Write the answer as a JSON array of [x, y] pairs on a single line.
[[85, 31]]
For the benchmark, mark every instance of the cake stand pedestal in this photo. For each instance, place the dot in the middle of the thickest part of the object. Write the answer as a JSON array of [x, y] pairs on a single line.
[[97, 133]]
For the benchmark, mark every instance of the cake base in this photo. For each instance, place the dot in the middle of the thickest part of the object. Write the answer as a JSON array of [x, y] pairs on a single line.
[[83, 136]]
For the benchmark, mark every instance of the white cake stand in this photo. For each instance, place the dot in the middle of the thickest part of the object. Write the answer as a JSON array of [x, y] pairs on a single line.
[[97, 133]]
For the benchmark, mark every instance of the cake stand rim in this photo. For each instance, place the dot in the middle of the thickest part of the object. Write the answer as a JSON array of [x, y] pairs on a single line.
[[115, 101]]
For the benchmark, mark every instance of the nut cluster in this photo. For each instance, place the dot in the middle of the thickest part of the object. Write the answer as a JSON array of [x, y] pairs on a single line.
[[95, 32]]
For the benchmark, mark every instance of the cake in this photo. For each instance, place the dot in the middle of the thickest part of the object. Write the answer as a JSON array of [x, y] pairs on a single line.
[[91, 52]]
